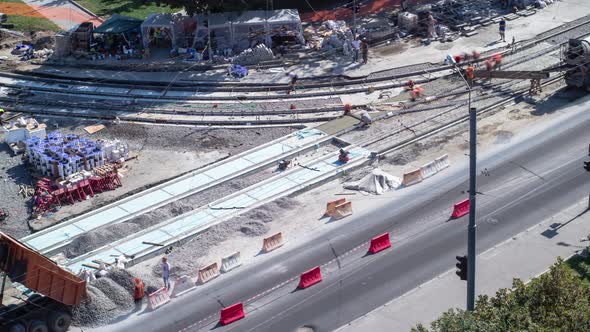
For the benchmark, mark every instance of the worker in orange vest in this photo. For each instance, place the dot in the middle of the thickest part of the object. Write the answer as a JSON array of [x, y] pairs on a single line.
[[470, 73], [139, 289], [416, 92], [497, 60]]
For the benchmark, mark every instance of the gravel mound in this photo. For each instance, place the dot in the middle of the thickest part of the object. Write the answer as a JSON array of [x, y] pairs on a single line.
[[123, 278], [254, 228], [94, 311], [99, 237], [106, 301], [186, 259], [115, 292]]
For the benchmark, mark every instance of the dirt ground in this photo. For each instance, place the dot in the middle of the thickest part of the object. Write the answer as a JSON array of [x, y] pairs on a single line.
[[185, 149]]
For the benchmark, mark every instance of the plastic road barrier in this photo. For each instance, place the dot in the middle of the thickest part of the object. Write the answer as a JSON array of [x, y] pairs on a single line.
[[342, 210], [379, 243], [442, 162], [412, 177], [310, 277], [428, 170], [232, 313], [183, 285], [273, 242], [230, 262], [158, 298], [208, 273], [330, 207], [460, 209]]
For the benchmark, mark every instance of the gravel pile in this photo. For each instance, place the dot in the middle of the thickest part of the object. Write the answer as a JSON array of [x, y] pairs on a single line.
[[106, 301], [254, 228], [13, 173], [97, 238], [115, 292], [110, 233], [185, 259], [123, 278], [94, 311]]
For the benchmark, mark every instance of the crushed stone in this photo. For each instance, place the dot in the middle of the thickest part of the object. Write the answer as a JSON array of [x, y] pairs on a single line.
[[123, 278], [115, 292], [99, 237], [254, 228], [186, 258], [96, 310]]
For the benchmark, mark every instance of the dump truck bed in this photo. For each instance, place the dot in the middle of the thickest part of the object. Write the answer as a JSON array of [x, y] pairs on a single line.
[[39, 273]]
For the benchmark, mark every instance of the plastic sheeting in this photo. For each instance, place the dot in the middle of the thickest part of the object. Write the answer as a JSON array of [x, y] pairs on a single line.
[[377, 182]]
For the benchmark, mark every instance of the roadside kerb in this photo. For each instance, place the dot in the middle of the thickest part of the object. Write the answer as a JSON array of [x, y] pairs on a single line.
[[254, 168]]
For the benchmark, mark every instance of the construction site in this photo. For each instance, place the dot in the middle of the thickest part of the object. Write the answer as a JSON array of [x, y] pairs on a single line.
[[129, 183]]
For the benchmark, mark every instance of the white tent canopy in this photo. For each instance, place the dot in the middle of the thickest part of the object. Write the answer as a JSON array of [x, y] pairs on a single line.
[[239, 31], [285, 21], [165, 22]]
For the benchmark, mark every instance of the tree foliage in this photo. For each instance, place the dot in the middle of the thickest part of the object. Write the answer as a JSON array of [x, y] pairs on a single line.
[[555, 301], [202, 6]]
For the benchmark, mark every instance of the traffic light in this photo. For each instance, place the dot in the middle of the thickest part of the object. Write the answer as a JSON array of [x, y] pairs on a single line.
[[587, 166], [356, 8], [462, 267]]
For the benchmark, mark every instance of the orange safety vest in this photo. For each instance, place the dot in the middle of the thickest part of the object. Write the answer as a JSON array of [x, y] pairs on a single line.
[[139, 290], [470, 71]]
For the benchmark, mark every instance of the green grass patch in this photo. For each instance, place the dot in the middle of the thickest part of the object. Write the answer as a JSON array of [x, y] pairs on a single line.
[[27, 23], [134, 8], [24, 23]]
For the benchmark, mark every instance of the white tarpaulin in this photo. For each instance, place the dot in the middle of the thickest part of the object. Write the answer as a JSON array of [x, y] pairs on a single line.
[[376, 182]]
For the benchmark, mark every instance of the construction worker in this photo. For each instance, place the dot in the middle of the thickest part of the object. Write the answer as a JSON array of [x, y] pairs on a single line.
[[365, 51], [497, 58], [293, 82], [416, 92], [343, 157], [139, 289], [502, 29], [470, 74], [166, 272]]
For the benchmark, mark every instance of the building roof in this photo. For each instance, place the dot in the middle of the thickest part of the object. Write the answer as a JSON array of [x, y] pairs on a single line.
[[118, 24]]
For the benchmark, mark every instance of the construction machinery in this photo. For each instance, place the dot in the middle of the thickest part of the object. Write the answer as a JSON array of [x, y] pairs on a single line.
[[54, 290], [576, 57]]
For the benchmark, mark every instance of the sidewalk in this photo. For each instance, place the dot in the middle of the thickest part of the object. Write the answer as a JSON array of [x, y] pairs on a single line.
[[539, 246], [62, 12]]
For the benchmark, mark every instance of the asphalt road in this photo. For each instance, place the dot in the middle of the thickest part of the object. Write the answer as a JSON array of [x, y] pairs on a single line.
[[528, 181]]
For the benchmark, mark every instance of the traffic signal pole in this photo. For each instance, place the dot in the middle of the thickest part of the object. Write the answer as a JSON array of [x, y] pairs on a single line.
[[471, 226]]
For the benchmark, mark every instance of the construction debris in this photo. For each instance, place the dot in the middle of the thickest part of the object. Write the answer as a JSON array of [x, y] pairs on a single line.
[[377, 182], [254, 55]]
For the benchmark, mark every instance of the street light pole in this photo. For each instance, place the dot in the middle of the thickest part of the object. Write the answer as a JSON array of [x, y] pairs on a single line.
[[472, 192], [353, 19]]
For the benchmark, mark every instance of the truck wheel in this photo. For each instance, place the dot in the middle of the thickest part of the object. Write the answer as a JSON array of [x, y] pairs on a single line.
[[18, 327], [38, 326], [59, 321]]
